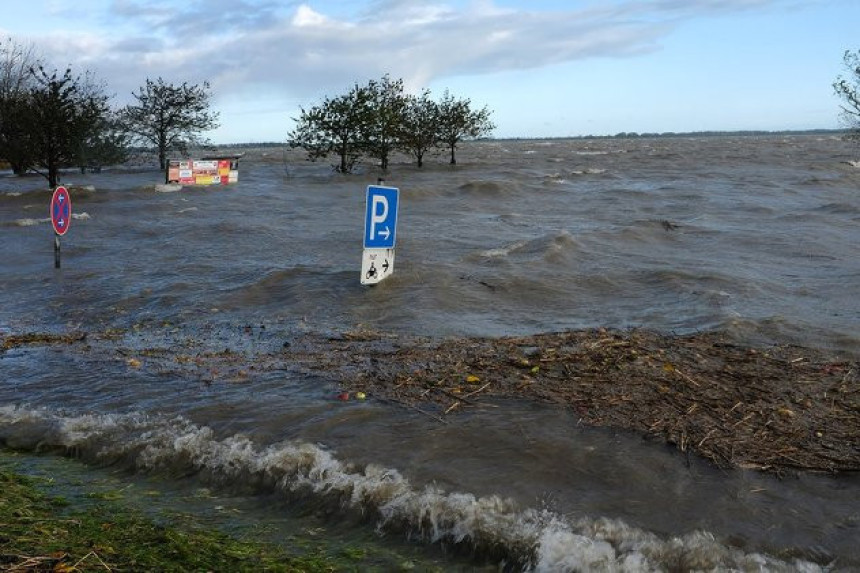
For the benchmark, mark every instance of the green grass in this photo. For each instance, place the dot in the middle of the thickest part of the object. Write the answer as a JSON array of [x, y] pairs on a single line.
[[41, 532]]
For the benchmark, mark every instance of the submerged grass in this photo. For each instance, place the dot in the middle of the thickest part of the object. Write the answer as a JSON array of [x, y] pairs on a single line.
[[40, 531], [44, 533]]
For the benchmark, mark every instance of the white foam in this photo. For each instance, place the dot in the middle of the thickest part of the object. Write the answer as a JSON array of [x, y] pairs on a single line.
[[31, 222], [168, 187], [503, 251], [28, 222], [539, 540]]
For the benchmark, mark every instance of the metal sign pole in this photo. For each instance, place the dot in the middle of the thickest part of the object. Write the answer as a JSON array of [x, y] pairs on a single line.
[[56, 251]]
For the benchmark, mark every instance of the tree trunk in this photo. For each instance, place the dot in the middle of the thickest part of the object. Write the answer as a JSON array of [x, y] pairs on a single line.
[[162, 151], [453, 158]]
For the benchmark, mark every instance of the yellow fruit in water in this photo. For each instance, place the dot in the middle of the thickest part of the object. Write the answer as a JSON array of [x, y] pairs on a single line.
[[360, 395]]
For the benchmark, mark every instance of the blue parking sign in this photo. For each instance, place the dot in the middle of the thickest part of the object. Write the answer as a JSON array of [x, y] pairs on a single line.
[[380, 221]]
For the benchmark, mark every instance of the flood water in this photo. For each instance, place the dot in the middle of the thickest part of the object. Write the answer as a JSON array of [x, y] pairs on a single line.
[[753, 236]]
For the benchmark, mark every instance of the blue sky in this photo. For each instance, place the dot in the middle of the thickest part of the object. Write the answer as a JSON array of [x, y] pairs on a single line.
[[545, 67]]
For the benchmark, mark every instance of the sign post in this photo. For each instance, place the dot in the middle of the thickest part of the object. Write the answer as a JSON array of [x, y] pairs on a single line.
[[61, 218], [380, 233]]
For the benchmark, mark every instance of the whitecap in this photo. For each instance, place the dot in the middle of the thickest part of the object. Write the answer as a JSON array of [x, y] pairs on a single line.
[[532, 539], [502, 251], [30, 222], [168, 187]]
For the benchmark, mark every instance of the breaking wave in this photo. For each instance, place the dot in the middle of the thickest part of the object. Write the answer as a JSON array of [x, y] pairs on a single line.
[[487, 188], [528, 539], [167, 187], [29, 222], [550, 247]]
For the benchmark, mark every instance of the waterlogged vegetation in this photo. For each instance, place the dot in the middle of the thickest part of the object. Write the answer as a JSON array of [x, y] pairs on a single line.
[[51, 521], [379, 118], [46, 532]]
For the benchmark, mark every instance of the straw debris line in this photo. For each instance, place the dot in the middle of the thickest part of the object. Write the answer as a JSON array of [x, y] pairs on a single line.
[[773, 408], [776, 408]]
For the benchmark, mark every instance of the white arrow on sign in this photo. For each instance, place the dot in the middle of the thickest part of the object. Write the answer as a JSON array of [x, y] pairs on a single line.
[[385, 233]]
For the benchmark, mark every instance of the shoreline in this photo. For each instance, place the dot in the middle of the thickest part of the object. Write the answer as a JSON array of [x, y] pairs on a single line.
[[778, 408], [58, 517]]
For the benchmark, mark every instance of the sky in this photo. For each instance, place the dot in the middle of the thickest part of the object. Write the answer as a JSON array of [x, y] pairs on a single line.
[[545, 68]]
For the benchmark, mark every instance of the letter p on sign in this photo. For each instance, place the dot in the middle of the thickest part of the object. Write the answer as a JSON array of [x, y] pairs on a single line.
[[380, 220], [378, 214]]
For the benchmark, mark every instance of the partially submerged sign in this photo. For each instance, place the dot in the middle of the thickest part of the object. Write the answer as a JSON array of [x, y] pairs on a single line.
[[61, 210], [380, 220], [61, 218], [209, 170], [380, 234]]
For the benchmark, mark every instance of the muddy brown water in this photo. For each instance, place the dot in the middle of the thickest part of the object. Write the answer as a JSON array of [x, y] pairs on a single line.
[[752, 236]]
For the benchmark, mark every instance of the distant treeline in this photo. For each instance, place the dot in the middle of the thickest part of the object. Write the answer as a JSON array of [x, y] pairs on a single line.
[[670, 134], [623, 135]]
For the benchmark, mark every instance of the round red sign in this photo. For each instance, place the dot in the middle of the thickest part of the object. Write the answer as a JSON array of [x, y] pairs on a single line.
[[61, 210]]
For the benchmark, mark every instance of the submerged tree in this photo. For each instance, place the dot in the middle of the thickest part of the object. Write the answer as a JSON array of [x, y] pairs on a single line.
[[379, 118], [848, 89], [65, 112], [107, 144], [169, 117], [420, 129], [384, 128], [459, 122], [338, 125]]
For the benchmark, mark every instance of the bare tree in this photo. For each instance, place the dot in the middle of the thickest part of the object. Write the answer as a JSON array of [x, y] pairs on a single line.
[[168, 116], [16, 82], [848, 89]]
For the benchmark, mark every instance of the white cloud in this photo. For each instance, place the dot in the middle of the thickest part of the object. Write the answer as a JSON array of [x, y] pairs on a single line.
[[303, 50], [306, 17]]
